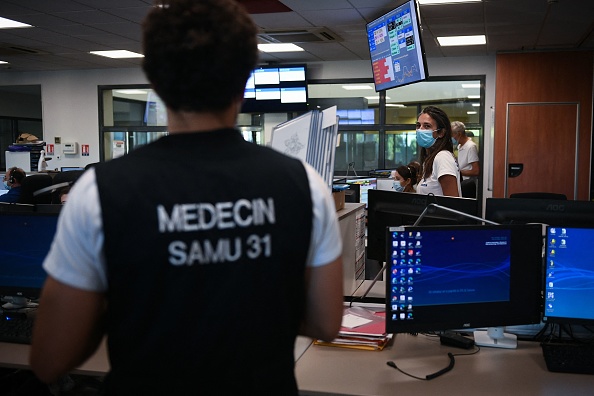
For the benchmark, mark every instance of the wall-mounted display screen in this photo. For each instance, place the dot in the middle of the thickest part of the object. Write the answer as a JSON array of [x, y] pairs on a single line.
[[276, 89], [396, 49]]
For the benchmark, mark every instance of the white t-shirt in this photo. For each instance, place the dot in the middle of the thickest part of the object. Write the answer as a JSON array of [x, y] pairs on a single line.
[[443, 164], [76, 256], [467, 154]]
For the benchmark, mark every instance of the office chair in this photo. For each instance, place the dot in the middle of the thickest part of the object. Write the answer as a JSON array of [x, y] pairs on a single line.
[[468, 188], [33, 183], [539, 195], [69, 177]]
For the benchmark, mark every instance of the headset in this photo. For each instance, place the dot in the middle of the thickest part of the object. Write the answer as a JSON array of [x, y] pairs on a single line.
[[11, 178], [15, 176]]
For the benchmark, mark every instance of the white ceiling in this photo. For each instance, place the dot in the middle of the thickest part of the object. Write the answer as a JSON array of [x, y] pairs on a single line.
[[66, 30]]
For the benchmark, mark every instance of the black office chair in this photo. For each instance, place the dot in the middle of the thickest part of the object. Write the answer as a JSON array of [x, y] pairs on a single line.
[[539, 195], [33, 183], [60, 178], [468, 188]]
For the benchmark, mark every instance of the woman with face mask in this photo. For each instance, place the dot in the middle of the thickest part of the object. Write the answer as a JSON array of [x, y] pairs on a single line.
[[405, 178], [440, 174]]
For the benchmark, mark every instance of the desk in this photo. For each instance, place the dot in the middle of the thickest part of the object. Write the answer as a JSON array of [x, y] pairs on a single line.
[[17, 356], [492, 371]]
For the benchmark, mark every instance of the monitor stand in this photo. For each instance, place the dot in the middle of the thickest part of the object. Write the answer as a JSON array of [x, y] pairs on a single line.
[[495, 337]]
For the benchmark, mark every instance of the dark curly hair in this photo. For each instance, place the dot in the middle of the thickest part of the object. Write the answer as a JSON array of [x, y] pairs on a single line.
[[443, 143], [198, 54]]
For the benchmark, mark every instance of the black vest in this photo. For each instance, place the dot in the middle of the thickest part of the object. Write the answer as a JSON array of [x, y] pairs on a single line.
[[206, 238]]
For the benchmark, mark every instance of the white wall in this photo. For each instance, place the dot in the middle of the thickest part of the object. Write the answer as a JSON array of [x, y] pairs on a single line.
[[70, 106], [70, 98]]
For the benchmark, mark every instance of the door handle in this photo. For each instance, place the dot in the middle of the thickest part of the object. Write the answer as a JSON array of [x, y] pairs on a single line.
[[514, 170]]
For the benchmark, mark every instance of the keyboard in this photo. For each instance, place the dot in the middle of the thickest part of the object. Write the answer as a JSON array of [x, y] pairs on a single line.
[[567, 357], [17, 330]]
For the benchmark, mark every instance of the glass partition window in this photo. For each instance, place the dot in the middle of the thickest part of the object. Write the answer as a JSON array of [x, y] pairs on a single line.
[[132, 116], [133, 106], [356, 103], [365, 138], [357, 151]]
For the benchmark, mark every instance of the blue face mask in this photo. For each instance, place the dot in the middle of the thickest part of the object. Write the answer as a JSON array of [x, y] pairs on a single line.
[[397, 186], [6, 186], [425, 138], [454, 142]]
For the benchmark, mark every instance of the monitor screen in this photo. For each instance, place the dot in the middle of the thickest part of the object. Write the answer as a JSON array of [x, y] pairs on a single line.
[[26, 240], [396, 49], [391, 208], [533, 210], [365, 184], [569, 276], [276, 89], [463, 277]]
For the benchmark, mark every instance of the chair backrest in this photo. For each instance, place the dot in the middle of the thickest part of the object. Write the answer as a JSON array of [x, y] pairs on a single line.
[[539, 195], [64, 177], [33, 183]]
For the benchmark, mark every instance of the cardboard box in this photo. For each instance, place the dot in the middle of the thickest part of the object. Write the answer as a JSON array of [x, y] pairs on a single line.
[[338, 199]]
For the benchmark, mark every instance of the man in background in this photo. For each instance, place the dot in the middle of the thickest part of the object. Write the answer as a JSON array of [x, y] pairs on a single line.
[[12, 182], [199, 290], [468, 160]]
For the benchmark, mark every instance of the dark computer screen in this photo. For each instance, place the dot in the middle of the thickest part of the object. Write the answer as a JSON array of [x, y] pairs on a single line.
[[463, 276], [365, 184], [548, 211], [26, 240], [569, 276], [391, 208]]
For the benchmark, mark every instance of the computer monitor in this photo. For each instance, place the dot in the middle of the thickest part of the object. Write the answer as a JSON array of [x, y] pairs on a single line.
[[569, 276], [26, 239], [464, 277], [391, 208], [365, 184], [547, 211], [396, 47]]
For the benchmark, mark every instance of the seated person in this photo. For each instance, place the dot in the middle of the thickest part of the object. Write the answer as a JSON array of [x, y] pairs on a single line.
[[12, 182], [63, 195]]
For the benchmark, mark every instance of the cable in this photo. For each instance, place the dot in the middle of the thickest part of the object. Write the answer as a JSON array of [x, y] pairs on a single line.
[[429, 376]]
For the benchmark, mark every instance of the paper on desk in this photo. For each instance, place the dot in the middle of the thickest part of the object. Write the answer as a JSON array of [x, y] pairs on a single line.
[[351, 321]]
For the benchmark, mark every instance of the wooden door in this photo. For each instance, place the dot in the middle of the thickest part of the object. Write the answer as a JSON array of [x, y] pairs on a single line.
[[542, 141]]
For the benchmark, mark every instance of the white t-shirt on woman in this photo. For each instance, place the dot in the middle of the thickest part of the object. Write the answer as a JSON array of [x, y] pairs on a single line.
[[443, 164]]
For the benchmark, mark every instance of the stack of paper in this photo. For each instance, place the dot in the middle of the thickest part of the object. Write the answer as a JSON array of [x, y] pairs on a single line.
[[361, 330]]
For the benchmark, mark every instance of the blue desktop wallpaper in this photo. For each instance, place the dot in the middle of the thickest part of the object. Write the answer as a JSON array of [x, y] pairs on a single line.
[[451, 266], [570, 273], [26, 240]]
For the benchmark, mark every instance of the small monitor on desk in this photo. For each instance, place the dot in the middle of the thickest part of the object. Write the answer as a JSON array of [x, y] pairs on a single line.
[[26, 239], [464, 277], [569, 276], [365, 184]]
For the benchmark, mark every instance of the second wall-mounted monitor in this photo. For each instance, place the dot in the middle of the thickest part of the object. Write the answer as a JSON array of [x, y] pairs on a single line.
[[395, 46], [273, 89]]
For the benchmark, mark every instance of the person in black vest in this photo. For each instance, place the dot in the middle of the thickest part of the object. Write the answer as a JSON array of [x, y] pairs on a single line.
[[199, 290]]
